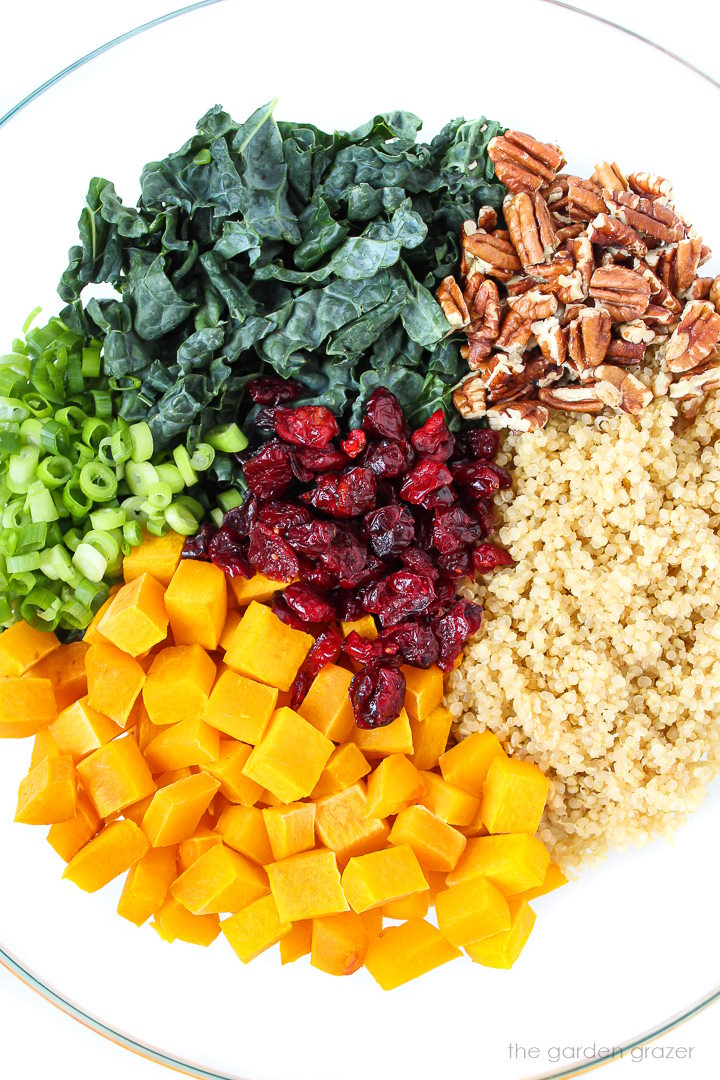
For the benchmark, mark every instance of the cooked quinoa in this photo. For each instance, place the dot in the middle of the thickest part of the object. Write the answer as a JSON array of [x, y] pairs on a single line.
[[600, 656]]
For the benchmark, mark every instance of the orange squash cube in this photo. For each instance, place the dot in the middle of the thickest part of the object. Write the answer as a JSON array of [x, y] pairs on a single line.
[[369, 881], [145, 730], [415, 906], [394, 738], [327, 705], [146, 886], [175, 810], [48, 793], [365, 626], [67, 837], [27, 705], [65, 668], [178, 684], [423, 690], [92, 636], [258, 587], [452, 804], [255, 928], [189, 742], [243, 829], [173, 922], [307, 886], [344, 826], [136, 619], [296, 943], [116, 776], [114, 681], [290, 757], [466, 765], [476, 826], [157, 556], [109, 854], [405, 952], [393, 785], [44, 746], [339, 943], [430, 737], [346, 765], [232, 619], [191, 849], [240, 707], [80, 729], [228, 769], [437, 845], [512, 862], [514, 796], [22, 646], [196, 603], [290, 828], [265, 648], [502, 950], [219, 880], [554, 879], [472, 911]]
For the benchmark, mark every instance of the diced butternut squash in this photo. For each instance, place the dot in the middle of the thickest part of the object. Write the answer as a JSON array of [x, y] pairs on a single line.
[[48, 793], [452, 804], [346, 765], [373, 920], [344, 826], [394, 738], [116, 776], [438, 846], [502, 950], [255, 928], [393, 785], [415, 906], [158, 556], [80, 729], [472, 911], [178, 684], [512, 862], [146, 886], [423, 690], [327, 705], [307, 886], [369, 881], [243, 829], [554, 879], [291, 756], [232, 619], [92, 635], [240, 707], [175, 810], [173, 922], [196, 603], [296, 943], [430, 737], [27, 705], [228, 769], [109, 854], [405, 952], [67, 837], [22, 646], [220, 880], [290, 828], [476, 827], [189, 742], [514, 796], [265, 648], [466, 765], [44, 746], [365, 626], [145, 730], [136, 619], [200, 842], [65, 668], [114, 681], [258, 587], [339, 943]]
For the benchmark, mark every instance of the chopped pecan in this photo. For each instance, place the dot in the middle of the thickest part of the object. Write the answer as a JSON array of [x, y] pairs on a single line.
[[450, 299], [608, 231], [522, 163], [515, 332], [608, 174], [487, 218], [518, 416], [585, 200], [589, 338], [658, 315], [572, 398], [582, 253], [469, 398], [551, 340], [651, 218], [694, 339], [511, 379], [687, 260], [531, 227], [692, 389], [638, 331], [700, 288], [534, 304], [490, 253], [661, 384], [484, 309], [569, 232], [625, 293], [634, 395], [650, 186], [627, 353]]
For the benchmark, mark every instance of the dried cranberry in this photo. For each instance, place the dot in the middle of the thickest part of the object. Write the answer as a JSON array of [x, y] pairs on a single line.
[[363, 650], [452, 630], [265, 418], [228, 552], [316, 575], [479, 444], [399, 596], [485, 514], [384, 417], [284, 613], [503, 475], [377, 693], [329, 459], [456, 563], [434, 440], [348, 605], [324, 650], [388, 458], [281, 515], [354, 442], [423, 479], [343, 495], [452, 528], [345, 558], [477, 477], [308, 425], [419, 562], [270, 555], [313, 538], [267, 471], [442, 496], [196, 547], [487, 557], [270, 390], [417, 643], [390, 530], [308, 604], [240, 519]]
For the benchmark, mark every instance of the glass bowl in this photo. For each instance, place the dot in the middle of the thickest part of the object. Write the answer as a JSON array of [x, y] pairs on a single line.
[[617, 957]]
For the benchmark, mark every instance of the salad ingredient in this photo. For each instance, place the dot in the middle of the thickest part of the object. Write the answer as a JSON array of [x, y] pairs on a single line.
[[393, 785], [471, 912], [430, 737], [67, 837], [114, 681], [290, 758], [48, 793], [437, 845], [423, 691], [405, 952], [146, 885], [115, 776], [228, 769], [512, 862], [327, 706], [345, 766], [22, 647], [157, 556], [290, 828], [394, 738], [629, 742], [240, 707], [265, 648], [116, 848], [177, 685], [136, 618], [27, 705], [371, 880], [502, 950], [307, 886], [64, 667], [183, 744], [175, 810], [243, 829], [255, 928], [339, 943], [297, 943], [173, 922], [466, 764], [344, 825], [513, 796], [219, 880], [196, 603], [80, 729]]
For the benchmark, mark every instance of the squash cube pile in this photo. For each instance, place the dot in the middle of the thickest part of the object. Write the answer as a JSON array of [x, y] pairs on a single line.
[[165, 749]]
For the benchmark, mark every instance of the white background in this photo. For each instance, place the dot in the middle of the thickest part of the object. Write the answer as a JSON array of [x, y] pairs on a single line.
[[36, 40]]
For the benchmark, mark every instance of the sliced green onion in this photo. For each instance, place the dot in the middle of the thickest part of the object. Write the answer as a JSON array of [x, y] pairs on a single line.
[[74, 498], [91, 361], [21, 564], [125, 382], [90, 562], [111, 517], [98, 481], [60, 506], [10, 440], [133, 507], [71, 417], [132, 533], [102, 400], [104, 451], [181, 520], [202, 457], [216, 516], [196, 508], [185, 468], [54, 438], [75, 616], [23, 583], [94, 430], [105, 542], [8, 541], [140, 477], [142, 441], [72, 538], [6, 612], [31, 431], [12, 409], [31, 537], [14, 515], [91, 594], [55, 563], [53, 534], [170, 474], [40, 504], [54, 471], [37, 405], [121, 445], [157, 526], [21, 469], [228, 500], [31, 319], [11, 384], [160, 496]]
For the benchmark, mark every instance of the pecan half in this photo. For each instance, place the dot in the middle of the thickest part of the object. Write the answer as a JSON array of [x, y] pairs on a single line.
[[585, 200], [518, 416], [609, 175], [551, 340], [534, 304], [515, 333], [608, 231], [634, 396], [469, 398], [451, 300], [649, 217], [511, 379], [687, 260], [625, 293], [627, 353], [483, 302], [531, 227], [589, 338], [650, 185], [695, 337], [522, 163], [572, 398], [700, 288], [490, 253]]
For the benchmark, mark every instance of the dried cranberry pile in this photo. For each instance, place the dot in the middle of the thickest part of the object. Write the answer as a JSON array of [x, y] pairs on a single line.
[[381, 521]]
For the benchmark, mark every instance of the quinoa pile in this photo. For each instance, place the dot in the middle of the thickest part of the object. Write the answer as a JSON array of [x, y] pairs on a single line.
[[600, 657]]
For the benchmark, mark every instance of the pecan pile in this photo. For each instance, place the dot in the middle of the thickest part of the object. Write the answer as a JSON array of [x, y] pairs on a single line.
[[588, 281]]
